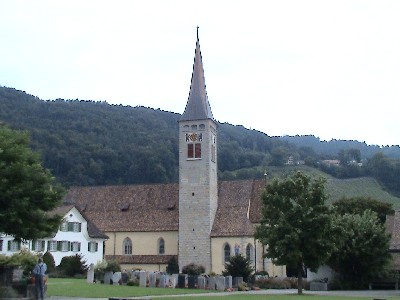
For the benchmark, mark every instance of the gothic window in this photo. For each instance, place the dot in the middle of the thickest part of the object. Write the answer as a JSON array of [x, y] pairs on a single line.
[[249, 252], [127, 246], [161, 246], [227, 252]]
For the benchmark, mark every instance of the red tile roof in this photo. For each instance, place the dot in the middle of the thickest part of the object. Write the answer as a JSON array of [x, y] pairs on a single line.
[[141, 259], [154, 207]]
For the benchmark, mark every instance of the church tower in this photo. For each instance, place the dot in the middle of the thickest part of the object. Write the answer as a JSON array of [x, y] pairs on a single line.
[[198, 186]]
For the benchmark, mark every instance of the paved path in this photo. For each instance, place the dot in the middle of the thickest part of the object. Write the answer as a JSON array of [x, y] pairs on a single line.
[[367, 293]]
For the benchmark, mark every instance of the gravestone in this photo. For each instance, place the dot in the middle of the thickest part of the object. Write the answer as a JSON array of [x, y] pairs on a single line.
[[192, 281], [152, 279], [237, 281], [90, 274], [211, 283], [181, 281], [201, 282], [142, 279], [220, 283], [173, 280], [116, 278], [124, 278], [163, 281], [228, 282], [107, 277]]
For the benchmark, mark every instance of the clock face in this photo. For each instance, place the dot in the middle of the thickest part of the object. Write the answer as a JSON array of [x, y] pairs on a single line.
[[194, 137]]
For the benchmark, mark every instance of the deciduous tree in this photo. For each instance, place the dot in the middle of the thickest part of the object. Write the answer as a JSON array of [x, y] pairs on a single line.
[[296, 224], [27, 190], [363, 249]]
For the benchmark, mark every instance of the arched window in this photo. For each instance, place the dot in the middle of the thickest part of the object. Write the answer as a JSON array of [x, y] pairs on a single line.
[[161, 246], [227, 252], [249, 252], [127, 246]]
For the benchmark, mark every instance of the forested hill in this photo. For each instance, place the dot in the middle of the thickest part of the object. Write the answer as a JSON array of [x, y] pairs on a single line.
[[95, 143]]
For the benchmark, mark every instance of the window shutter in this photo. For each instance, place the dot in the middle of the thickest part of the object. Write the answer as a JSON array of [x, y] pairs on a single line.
[[43, 245], [88, 246], [33, 245], [69, 245], [48, 245], [97, 247], [59, 246], [79, 246], [19, 246], [9, 245], [80, 227]]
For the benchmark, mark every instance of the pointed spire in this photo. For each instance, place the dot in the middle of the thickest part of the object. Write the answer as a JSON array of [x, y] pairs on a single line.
[[197, 106]]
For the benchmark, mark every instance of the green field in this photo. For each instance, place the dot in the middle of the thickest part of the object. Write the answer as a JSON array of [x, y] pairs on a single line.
[[80, 288], [339, 188]]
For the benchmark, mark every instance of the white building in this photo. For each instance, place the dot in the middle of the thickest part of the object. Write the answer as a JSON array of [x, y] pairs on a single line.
[[76, 235]]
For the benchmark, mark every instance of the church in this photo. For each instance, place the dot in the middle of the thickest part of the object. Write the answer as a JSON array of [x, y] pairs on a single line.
[[197, 220]]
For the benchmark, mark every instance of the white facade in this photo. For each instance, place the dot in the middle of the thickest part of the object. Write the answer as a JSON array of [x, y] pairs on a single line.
[[72, 238]]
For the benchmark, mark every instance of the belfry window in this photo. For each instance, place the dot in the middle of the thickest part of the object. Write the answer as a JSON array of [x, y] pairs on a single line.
[[194, 150]]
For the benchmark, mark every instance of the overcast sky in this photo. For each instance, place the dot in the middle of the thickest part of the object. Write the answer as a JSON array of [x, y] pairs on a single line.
[[327, 68]]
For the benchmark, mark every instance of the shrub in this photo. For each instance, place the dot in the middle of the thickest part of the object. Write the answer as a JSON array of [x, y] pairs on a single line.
[[193, 269], [24, 259], [48, 259], [72, 265], [113, 266], [238, 266], [173, 267]]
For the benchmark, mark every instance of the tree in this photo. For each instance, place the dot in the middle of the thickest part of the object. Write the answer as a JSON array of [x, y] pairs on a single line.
[[296, 224], [358, 205], [27, 190], [362, 253], [238, 266], [173, 267], [48, 259], [72, 265]]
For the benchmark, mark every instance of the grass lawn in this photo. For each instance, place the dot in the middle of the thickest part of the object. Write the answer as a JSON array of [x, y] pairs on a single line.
[[69, 287], [269, 297]]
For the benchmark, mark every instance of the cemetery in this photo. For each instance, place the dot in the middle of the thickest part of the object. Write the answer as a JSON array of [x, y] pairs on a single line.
[[163, 280]]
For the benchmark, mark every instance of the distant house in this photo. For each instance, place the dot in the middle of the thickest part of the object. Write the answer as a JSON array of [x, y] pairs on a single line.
[[331, 162], [76, 235]]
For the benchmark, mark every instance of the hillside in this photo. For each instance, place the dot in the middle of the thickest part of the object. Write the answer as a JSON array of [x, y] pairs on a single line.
[[95, 143]]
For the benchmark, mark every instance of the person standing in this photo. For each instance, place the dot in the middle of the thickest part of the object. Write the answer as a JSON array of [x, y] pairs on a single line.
[[39, 271]]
